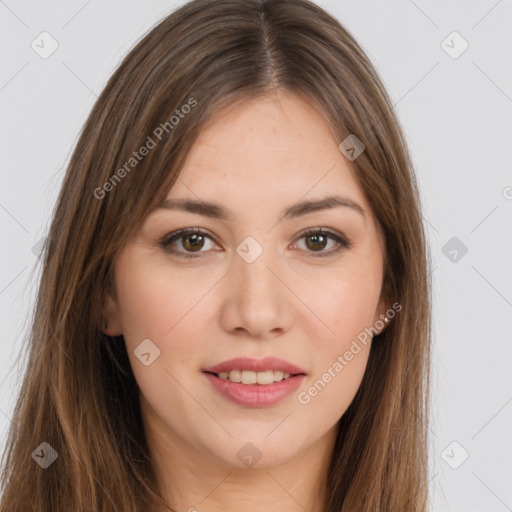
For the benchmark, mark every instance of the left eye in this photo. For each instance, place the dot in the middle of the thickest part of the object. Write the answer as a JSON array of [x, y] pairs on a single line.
[[193, 240], [317, 239]]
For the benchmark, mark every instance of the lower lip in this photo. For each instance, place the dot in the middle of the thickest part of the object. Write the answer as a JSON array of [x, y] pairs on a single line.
[[255, 395]]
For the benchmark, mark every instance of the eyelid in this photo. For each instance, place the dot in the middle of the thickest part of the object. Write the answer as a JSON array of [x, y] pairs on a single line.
[[341, 240]]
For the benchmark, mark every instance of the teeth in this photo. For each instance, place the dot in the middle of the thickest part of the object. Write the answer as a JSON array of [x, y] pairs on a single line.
[[235, 376], [279, 375], [250, 377]]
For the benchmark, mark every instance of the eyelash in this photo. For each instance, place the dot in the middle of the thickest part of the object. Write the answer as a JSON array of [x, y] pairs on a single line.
[[342, 242]]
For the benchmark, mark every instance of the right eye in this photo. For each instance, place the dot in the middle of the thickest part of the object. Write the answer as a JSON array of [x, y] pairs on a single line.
[[192, 240]]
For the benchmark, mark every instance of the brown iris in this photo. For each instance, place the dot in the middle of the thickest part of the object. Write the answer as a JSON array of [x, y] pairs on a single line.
[[196, 242], [319, 241]]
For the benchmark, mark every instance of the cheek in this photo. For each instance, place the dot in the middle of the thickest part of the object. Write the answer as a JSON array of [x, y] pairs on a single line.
[[154, 301], [345, 301], [331, 390], [156, 304], [143, 302], [341, 348]]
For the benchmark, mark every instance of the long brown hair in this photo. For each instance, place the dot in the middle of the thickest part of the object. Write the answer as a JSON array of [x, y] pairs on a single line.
[[78, 392]]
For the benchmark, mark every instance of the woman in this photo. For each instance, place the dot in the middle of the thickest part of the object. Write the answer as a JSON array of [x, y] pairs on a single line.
[[234, 309]]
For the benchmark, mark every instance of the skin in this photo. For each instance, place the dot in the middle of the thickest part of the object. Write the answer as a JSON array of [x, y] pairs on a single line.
[[256, 159]]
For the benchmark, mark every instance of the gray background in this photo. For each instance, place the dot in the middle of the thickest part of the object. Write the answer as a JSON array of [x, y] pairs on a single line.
[[457, 115]]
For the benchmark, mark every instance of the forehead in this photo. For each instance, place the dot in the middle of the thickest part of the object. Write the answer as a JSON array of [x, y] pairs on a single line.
[[277, 146]]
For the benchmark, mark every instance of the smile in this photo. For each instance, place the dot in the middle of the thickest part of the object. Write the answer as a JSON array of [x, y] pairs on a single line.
[[250, 377]]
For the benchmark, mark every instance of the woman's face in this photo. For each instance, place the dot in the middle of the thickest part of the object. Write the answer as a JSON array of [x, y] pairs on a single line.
[[252, 285]]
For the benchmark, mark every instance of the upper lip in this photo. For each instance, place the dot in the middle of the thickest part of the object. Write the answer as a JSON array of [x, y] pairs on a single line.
[[255, 365]]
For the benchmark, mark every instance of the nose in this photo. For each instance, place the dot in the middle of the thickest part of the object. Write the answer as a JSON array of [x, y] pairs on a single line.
[[256, 302]]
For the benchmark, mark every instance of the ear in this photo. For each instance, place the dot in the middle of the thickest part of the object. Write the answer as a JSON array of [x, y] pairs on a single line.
[[112, 325], [378, 321]]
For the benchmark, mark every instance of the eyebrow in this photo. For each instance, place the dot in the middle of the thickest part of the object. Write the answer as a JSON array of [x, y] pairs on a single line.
[[216, 211]]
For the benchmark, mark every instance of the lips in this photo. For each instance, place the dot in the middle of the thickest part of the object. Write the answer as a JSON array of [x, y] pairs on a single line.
[[255, 382], [255, 365]]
